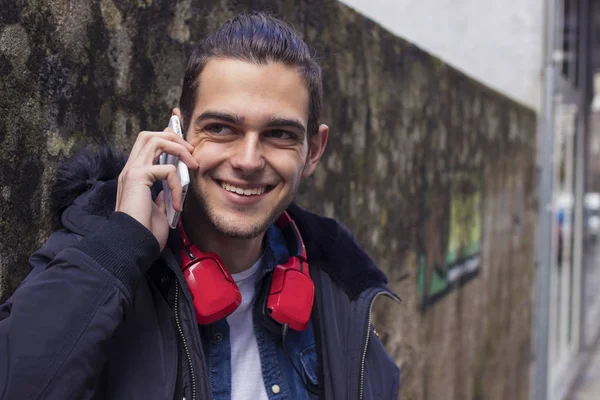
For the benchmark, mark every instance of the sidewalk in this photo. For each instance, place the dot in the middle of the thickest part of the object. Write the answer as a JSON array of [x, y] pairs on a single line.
[[588, 386]]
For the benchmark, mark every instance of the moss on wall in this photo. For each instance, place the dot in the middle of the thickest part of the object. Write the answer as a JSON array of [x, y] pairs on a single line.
[[78, 72]]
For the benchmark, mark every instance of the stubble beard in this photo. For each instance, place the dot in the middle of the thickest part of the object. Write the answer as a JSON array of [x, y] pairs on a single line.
[[227, 228]]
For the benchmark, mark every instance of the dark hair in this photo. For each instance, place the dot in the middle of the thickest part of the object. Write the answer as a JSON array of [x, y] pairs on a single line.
[[259, 39]]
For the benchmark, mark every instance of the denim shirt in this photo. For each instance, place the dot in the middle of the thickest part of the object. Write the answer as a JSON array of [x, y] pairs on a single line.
[[279, 375]]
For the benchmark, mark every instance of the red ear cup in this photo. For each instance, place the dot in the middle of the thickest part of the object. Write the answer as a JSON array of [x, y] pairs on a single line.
[[291, 295], [215, 294], [287, 300]]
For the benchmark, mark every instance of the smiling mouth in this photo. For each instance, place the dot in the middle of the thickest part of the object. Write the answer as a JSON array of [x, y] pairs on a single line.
[[255, 191]]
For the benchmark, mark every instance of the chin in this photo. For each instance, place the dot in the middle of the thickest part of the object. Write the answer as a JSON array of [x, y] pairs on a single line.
[[240, 225], [242, 221]]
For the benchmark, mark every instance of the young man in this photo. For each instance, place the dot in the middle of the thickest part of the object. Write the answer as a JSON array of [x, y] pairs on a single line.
[[115, 306]]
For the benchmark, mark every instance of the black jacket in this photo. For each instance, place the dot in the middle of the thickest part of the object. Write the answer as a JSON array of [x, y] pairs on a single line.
[[103, 315]]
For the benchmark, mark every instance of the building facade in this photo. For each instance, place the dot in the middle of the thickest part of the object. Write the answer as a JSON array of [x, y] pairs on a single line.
[[545, 56]]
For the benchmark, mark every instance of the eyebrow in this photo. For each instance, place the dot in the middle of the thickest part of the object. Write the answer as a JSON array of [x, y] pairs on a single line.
[[285, 122], [238, 120], [223, 116]]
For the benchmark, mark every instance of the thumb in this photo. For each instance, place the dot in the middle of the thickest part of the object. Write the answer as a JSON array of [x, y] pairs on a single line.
[[160, 202]]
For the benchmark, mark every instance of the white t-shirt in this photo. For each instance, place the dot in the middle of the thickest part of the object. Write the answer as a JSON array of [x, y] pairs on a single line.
[[246, 372]]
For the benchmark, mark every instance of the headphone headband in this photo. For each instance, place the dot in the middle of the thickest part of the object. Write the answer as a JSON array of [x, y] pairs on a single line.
[[292, 236]]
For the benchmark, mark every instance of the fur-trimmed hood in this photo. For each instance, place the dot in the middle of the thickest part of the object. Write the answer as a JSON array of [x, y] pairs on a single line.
[[84, 195], [99, 166]]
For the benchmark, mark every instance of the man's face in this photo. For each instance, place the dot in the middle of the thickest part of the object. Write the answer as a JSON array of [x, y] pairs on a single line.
[[248, 128]]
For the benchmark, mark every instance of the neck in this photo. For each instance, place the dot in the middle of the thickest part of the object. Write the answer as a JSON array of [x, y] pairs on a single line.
[[238, 255]]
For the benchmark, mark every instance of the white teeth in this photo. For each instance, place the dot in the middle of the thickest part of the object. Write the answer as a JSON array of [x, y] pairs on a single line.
[[244, 192]]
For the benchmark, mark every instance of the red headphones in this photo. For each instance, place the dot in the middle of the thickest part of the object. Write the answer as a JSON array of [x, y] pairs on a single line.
[[288, 299]]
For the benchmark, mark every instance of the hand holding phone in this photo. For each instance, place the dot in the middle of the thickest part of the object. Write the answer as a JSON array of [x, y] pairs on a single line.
[[142, 170], [182, 172]]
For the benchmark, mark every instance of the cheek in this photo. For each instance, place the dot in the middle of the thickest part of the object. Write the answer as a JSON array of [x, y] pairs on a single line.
[[289, 167], [208, 155]]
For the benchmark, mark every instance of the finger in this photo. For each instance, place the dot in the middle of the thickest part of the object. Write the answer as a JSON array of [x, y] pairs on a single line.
[[141, 140], [176, 189], [146, 175], [160, 202], [146, 136], [178, 139], [158, 145]]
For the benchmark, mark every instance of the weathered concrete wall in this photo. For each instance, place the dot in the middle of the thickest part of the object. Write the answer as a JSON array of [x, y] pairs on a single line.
[[75, 72], [480, 38]]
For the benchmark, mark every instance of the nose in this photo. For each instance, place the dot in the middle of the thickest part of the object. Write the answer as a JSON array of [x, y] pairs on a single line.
[[248, 155]]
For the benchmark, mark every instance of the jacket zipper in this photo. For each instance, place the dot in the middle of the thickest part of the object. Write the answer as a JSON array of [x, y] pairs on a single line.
[[369, 324], [184, 341]]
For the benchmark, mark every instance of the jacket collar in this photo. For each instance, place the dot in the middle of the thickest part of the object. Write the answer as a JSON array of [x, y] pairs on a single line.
[[330, 245]]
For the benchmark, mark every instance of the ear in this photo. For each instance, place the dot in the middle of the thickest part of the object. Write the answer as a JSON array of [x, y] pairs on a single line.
[[316, 147]]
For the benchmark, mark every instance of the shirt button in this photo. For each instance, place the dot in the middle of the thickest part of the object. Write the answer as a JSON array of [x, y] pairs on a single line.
[[276, 389]]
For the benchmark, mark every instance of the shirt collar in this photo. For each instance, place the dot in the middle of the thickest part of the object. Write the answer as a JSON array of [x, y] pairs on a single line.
[[276, 251]]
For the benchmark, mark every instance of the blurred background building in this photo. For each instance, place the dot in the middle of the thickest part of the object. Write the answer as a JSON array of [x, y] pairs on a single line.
[[568, 285], [545, 55], [464, 154]]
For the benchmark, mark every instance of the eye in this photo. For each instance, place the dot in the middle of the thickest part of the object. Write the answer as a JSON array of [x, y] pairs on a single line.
[[279, 134], [218, 129]]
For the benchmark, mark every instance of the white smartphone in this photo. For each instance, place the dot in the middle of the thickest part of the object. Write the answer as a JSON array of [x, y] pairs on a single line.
[[182, 172]]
